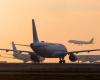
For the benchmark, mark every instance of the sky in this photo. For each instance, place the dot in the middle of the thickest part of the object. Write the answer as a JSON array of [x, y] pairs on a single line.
[[57, 21]]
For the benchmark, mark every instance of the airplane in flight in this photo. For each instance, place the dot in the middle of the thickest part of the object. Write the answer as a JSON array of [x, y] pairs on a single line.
[[49, 50], [90, 58], [81, 42]]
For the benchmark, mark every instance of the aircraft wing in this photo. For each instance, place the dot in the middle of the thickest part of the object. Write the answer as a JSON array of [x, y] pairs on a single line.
[[7, 50], [6, 57], [83, 51], [22, 45]]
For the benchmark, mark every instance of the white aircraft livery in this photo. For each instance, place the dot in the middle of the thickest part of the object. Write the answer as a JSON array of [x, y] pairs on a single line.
[[18, 55], [81, 42], [49, 50], [90, 58]]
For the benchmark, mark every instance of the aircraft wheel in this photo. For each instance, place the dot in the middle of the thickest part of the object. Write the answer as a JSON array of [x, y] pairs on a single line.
[[36, 62], [62, 61]]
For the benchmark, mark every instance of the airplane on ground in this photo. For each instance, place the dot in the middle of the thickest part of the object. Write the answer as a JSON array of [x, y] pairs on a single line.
[[25, 57], [90, 58], [81, 42], [49, 50], [18, 55]]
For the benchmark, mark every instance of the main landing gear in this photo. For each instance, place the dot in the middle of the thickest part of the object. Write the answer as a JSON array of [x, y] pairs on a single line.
[[62, 61], [35, 59]]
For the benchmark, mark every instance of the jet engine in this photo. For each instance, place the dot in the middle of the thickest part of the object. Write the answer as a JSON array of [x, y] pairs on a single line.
[[73, 57]]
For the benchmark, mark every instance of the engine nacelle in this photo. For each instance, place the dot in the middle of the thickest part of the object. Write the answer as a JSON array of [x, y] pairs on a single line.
[[73, 57]]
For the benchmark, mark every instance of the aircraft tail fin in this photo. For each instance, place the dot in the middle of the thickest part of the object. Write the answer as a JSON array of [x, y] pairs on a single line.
[[35, 36], [91, 41], [14, 48]]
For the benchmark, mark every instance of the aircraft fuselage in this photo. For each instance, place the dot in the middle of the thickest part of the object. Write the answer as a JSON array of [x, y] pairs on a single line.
[[49, 50]]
